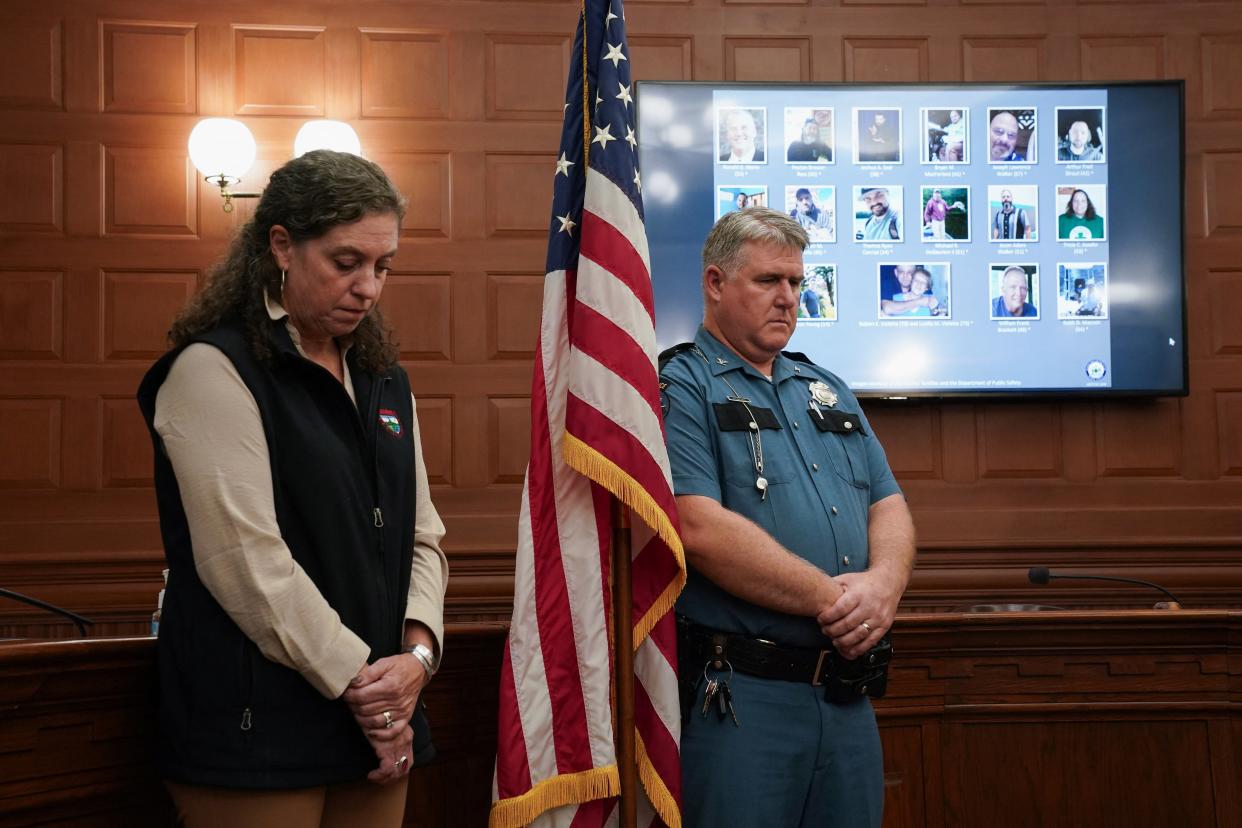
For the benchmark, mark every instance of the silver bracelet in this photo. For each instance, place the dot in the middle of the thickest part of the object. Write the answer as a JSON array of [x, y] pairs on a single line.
[[425, 657]]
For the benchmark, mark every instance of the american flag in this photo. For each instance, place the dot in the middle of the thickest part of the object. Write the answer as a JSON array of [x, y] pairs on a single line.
[[596, 433]]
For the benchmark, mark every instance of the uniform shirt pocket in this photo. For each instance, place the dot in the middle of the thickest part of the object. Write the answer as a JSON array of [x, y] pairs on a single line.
[[843, 438]]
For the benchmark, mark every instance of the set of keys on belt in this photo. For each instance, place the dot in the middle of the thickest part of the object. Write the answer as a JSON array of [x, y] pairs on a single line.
[[717, 691]]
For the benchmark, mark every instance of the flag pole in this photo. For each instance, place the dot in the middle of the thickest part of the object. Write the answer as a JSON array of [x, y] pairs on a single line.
[[623, 625]]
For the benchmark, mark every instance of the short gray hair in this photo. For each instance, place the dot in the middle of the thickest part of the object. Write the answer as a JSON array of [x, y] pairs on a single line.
[[723, 247]]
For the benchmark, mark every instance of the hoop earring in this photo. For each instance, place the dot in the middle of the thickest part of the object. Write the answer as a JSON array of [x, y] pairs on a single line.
[[282, 284]]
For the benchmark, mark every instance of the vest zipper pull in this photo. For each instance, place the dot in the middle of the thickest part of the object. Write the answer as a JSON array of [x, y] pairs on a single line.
[[379, 518], [245, 722]]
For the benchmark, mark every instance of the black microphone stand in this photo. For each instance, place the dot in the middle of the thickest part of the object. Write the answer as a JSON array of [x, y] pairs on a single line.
[[78, 620], [1041, 575]]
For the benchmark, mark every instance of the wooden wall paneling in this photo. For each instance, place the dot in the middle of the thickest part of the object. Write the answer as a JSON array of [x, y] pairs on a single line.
[[30, 442], [1106, 772], [514, 305], [342, 59], [425, 179], [81, 60], [959, 446], [514, 183], [1229, 423], [137, 309], [127, 459], [148, 67], [435, 423], [1079, 450], [1222, 66], [998, 59], [526, 76], [887, 59], [1139, 438], [767, 58], [1222, 174], [1224, 298], [31, 314], [36, 171], [904, 789], [149, 191], [31, 63], [662, 57], [1019, 441], [84, 165], [509, 438], [405, 74], [1138, 57], [910, 435], [764, 2], [419, 307], [280, 70], [1225, 739]]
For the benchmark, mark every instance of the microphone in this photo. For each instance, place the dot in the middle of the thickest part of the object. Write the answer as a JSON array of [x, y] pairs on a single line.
[[1041, 575], [78, 620]]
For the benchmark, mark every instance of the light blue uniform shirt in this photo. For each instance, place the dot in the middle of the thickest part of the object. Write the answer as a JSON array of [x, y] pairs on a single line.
[[820, 483]]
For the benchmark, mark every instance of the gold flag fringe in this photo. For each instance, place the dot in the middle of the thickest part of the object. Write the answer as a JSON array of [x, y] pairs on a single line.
[[657, 792], [587, 461], [566, 789]]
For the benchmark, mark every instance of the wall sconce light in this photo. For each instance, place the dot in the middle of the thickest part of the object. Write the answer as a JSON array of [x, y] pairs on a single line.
[[324, 134], [223, 149]]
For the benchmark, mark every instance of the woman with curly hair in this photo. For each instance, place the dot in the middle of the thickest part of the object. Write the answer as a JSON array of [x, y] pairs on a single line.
[[304, 610]]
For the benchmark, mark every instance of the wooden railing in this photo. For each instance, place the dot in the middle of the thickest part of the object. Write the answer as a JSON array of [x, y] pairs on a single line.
[[1083, 718]]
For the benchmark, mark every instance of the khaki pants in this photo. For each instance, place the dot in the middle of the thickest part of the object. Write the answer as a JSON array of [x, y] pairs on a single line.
[[344, 805]]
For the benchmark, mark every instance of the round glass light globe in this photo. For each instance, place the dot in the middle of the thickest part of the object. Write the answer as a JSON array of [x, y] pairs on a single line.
[[324, 134], [222, 146]]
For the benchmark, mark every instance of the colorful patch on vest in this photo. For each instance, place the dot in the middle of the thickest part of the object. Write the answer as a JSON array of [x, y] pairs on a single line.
[[390, 420]]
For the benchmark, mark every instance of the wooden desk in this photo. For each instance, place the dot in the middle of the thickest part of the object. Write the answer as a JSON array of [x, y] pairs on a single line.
[[1127, 719], [1073, 718]]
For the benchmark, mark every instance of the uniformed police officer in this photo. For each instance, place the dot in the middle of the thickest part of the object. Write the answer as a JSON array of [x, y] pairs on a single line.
[[798, 539]]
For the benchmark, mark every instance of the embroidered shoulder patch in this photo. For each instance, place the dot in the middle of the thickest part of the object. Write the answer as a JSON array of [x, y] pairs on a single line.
[[389, 420]]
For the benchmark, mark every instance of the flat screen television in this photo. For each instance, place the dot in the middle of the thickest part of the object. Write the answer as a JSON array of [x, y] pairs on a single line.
[[966, 239]]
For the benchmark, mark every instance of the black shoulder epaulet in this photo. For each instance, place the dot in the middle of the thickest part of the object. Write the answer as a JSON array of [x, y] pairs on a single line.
[[667, 355], [798, 356]]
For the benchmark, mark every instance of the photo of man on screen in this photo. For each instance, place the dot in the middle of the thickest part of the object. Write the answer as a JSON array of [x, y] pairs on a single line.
[[877, 136], [1082, 290], [1080, 135], [945, 135], [1013, 212], [739, 197], [877, 214], [741, 135], [1014, 287], [818, 298], [1011, 136], [808, 135], [946, 215], [813, 208]]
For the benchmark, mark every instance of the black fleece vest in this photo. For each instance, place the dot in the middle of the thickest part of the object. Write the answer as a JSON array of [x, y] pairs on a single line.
[[343, 479]]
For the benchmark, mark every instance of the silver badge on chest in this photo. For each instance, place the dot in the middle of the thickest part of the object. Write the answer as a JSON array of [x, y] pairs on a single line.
[[822, 393]]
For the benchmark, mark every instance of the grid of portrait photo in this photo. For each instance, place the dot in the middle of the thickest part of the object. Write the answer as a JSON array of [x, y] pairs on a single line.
[[924, 195]]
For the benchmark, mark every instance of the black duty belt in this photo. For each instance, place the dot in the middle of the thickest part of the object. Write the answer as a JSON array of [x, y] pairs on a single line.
[[844, 679]]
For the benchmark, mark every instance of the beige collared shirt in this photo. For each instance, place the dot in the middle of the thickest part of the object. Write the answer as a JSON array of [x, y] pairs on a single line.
[[211, 428]]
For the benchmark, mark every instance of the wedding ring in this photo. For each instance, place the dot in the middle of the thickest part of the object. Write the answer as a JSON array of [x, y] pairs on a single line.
[[866, 626], [387, 720], [400, 763]]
